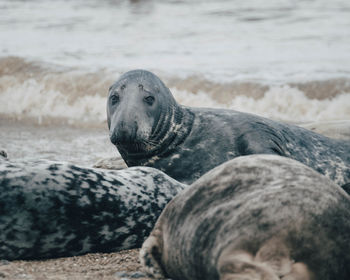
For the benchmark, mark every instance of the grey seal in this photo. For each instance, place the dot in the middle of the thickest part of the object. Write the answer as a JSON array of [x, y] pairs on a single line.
[[149, 128], [52, 209], [254, 217]]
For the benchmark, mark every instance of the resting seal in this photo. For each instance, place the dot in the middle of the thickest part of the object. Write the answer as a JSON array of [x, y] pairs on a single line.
[[254, 217], [50, 210], [149, 128]]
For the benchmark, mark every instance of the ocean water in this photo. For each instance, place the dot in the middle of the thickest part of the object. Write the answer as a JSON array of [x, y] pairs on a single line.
[[286, 60]]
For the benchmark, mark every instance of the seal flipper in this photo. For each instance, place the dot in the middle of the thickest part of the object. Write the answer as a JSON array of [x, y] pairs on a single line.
[[241, 265], [271, 262], [150, 255], [253, 143]]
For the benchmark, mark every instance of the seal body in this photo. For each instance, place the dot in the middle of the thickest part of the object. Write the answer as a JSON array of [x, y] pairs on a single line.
[[50, 209], [254, 217], [186, 142]]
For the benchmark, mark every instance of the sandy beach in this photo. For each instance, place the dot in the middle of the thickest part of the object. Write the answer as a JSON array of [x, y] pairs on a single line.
[[87, 267]]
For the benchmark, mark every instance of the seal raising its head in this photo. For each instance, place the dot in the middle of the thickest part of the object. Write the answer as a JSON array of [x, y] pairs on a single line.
[[149, 128], [254, 217]]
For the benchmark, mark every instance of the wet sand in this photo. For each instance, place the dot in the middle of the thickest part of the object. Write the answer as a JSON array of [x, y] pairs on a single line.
[[86, 267], [77, 144]]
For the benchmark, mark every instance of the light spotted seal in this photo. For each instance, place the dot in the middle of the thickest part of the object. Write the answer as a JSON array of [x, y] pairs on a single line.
[[254, 217], [50, 209], [149, 128]]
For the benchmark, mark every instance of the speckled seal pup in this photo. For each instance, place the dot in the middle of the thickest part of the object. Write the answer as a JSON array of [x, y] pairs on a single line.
[[254, 217], [150, 129], [50, 210]]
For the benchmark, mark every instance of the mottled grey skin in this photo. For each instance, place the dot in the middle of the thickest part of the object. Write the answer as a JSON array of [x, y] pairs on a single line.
[[254, 217], [50, 210], [150, 129]]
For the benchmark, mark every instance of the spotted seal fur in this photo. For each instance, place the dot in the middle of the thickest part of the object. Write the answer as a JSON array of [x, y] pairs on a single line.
[[50, 209], [149, 128], [254, 217]]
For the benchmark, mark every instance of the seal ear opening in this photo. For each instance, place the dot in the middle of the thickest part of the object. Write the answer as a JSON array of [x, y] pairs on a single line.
[[150, 258]]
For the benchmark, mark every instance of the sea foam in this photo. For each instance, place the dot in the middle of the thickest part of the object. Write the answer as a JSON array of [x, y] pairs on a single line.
[[45, 92]]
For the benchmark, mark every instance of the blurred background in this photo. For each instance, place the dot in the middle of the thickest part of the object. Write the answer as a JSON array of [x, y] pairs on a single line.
[[286, 60]]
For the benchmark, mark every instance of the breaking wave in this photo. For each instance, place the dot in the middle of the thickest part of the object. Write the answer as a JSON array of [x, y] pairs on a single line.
[[47, 93]]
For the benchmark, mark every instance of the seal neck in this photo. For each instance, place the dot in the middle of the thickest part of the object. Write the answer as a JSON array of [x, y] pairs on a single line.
[[173, 126]]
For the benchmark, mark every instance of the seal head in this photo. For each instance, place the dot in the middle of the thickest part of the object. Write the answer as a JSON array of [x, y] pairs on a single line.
[[143, 117]]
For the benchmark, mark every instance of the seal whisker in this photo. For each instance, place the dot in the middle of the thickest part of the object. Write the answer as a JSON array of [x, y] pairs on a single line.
[[150, 142]]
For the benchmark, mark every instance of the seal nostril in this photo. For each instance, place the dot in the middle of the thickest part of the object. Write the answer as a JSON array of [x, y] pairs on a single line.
[[121, 133]]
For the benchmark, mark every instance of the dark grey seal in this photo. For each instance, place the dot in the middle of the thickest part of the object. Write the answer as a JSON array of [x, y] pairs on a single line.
[[150, 129], [50, 209], [254, 217]]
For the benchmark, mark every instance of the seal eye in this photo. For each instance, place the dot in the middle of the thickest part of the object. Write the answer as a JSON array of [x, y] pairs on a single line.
[[141, 87], [114, 99], [149, 100], [123, 87]]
